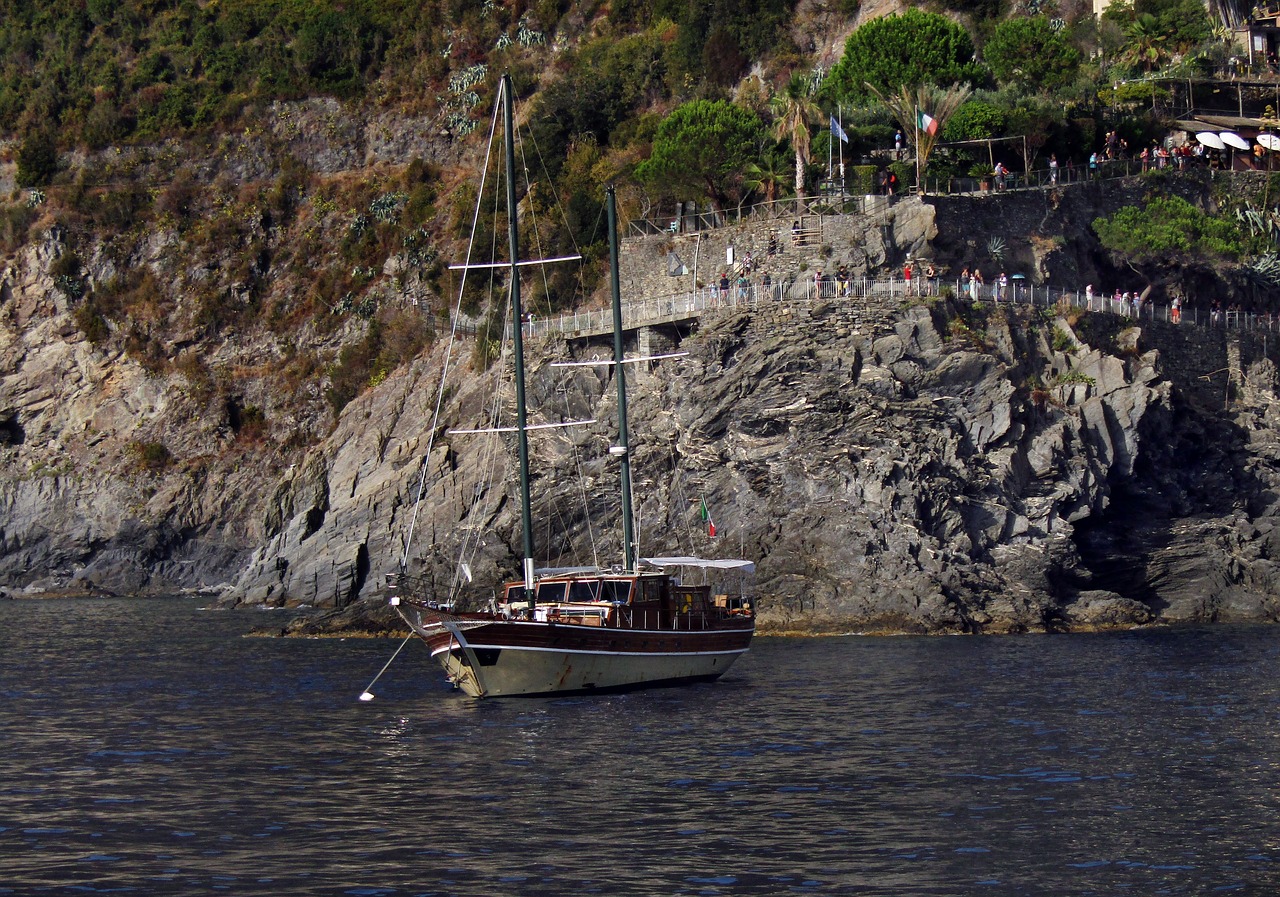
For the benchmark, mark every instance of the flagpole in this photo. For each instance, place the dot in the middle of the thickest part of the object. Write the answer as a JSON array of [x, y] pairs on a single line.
[[919, 186], [840, 111], [833, 138]]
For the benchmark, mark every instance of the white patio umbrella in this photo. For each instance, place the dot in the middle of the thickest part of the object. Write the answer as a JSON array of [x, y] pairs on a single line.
[[1235, 141]]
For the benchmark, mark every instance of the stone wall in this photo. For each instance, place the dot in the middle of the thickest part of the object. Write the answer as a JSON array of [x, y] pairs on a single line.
[[886, 236]]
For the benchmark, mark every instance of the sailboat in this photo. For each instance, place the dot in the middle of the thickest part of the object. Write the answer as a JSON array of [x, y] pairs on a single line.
[[583, 629]]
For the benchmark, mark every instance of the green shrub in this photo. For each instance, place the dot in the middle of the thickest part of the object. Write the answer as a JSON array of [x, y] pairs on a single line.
[[91, 322], [862, 179], [150, 456], [15, 223], [1063, 342], [37, 159]]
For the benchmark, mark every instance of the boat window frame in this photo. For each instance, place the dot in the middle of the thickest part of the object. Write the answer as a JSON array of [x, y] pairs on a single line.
[[551, 586], [584, 591], [609, 589]]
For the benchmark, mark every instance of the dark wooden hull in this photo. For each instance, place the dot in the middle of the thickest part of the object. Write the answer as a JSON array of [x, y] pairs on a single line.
[[490, 656]]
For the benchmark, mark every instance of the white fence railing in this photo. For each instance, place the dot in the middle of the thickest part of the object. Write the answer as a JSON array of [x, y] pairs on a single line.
[[753, 294]]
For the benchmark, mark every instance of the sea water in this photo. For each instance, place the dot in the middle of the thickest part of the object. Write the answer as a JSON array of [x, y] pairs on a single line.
[[147, 747]]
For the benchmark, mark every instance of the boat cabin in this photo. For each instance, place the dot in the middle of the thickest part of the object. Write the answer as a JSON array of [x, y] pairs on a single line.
[[644, 600]]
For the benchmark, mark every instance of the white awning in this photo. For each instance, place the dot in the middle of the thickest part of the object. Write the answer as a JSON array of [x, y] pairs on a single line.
[[1230, 138], [711, 563]]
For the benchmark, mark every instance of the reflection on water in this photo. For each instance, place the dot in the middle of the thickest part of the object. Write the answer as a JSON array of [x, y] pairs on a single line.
[[148, 749]]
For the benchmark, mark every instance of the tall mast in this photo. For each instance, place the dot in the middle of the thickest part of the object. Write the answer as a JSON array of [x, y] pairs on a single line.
[[517, 323], [620, 376]]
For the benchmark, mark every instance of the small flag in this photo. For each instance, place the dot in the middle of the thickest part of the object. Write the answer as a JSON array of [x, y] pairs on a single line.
[[838, 131], [706, 518], [926, 122]]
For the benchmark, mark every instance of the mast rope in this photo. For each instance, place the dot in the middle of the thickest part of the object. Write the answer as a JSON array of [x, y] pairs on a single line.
[[484, 497], [582, 489], [447, 363]]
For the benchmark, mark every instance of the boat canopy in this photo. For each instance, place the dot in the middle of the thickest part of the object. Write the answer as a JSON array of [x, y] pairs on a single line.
[[570, 571], [709, 563]]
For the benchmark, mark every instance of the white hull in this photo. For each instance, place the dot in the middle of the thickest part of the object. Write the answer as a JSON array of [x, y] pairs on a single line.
[[523, 671], [483, 669]]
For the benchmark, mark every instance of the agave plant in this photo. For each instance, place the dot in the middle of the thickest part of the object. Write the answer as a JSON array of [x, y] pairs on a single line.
[[996, 248], [1260, 222], [1265, 270]]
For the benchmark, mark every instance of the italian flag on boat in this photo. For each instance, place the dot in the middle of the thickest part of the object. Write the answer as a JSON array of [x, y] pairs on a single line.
[[706, 518], [926, 122]]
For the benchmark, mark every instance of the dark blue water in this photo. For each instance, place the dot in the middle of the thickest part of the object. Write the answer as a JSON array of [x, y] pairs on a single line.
[[147, 748]]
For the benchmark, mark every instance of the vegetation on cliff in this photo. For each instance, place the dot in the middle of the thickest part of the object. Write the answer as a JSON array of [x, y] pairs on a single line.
[[242, 209]]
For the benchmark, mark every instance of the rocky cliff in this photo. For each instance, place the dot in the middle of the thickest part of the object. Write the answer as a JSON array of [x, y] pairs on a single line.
[[925, 468], [933, 467]]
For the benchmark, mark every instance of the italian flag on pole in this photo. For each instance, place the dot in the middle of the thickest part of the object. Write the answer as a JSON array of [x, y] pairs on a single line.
[[706, 518], [926, 122]]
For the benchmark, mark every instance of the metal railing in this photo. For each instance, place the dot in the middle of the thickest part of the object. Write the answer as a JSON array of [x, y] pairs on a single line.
[[792, 209], [757, 296]]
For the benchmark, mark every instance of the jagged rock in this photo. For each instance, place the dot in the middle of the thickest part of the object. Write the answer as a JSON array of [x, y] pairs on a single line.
[[1099, 609], [890, 468]]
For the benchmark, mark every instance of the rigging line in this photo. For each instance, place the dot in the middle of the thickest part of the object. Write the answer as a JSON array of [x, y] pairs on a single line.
[[482, 500], [467, 551], [482, 493], [582, 488], [680, 501], [559, 206], [367, 695], [453, 339], [533, 220], [486, 501]]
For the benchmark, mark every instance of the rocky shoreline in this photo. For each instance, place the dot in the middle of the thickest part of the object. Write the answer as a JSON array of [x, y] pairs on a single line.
[[935, 467]]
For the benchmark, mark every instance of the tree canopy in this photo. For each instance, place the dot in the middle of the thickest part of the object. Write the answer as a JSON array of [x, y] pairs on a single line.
[[1030, 52], [904, 50], [704, 145], [1165, 228], [795, 111]]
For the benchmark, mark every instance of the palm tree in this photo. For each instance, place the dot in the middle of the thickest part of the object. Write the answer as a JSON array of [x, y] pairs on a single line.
[[793, 109], [1146, 44], [769, 175], [938, 103]]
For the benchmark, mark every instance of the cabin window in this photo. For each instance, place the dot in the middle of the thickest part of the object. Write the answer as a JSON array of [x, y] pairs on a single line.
[[616, 591], [584, 590], [552, 591], [652, 589]]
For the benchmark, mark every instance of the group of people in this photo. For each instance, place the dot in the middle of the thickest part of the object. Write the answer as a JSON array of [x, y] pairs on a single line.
[[743, 284], [920, 281], [1123, 302], [972, 284], [832, 285]]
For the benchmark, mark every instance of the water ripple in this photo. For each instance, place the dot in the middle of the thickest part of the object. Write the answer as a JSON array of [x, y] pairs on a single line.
[[151, 750]]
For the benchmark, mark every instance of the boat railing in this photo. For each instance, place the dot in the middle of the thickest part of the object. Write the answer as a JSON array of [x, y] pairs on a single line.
[[651, 618]]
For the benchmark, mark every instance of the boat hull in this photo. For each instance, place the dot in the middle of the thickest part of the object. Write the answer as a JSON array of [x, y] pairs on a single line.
[[509, 658]]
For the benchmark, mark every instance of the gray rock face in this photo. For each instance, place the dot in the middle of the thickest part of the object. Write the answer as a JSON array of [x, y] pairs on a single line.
[[928, 468], [81, 507], [885, 474]]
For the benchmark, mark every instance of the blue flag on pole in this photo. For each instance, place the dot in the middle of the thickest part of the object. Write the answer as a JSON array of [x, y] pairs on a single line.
[[838, 131]]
